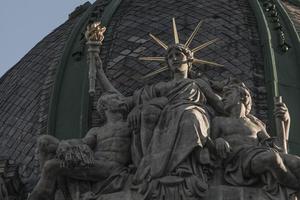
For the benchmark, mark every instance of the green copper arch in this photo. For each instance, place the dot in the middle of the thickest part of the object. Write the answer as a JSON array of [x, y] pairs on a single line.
[[282, 69], [68, 113]]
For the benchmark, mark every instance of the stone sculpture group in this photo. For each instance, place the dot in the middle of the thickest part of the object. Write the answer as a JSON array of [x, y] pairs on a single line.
[[170, 139]]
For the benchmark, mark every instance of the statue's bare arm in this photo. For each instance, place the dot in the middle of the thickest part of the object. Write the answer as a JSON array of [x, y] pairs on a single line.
[[213, 98], [104, 82], [222, 147], [90, 139]]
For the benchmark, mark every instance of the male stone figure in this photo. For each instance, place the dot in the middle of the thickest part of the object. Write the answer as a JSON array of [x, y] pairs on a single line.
[[110, 143], [241, 140]]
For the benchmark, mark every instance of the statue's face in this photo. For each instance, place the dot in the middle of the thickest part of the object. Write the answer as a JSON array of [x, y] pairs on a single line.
[[177, 60], [116, 103], [231, 97]]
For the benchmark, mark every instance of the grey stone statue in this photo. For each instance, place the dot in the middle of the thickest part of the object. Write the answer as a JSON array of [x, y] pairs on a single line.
[[248, 152], [171, 144], [170, 123], [167, 135], [110, 145]]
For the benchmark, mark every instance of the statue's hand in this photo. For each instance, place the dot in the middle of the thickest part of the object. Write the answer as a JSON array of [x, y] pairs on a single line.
[[134, 118], [281, 111], [63, 147], [223, 147]]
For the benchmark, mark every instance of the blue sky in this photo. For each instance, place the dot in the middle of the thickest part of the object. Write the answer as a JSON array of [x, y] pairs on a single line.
[[23, 23]]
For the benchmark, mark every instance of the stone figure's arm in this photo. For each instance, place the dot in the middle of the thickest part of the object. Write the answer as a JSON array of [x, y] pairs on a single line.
[[90, 138], [222, 147], [263, 137], [281, 112], [211, 96], [104, 82], [215, 128]]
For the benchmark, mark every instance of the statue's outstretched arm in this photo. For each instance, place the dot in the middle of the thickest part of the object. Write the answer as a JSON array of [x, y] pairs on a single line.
[[90, 138], [105, 84], [211, 96]]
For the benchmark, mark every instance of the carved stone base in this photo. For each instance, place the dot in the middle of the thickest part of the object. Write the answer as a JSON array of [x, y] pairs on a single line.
[[222, 192]]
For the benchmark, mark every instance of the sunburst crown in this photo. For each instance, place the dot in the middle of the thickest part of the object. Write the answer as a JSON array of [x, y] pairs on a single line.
[[185, 48]]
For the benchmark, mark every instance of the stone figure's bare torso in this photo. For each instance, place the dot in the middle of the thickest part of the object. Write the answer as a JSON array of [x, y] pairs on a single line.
[[113, 140], [238, 132]]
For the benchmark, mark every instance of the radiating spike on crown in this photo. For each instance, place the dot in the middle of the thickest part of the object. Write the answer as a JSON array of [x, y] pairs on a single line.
[[160, 70], [176, 37], [158, 41], [189, 41], [202, 46], [206, 62], [158, 59]]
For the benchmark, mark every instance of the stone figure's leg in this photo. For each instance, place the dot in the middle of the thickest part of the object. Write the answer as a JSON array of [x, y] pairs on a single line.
[[293, 163], [195, 122], [149, 117], [271, 161], [46, 148], [194, 126], [101, 170], [45, 188]]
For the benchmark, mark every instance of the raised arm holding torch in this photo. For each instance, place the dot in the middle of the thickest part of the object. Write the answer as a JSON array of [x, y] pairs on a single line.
[[94, 36]]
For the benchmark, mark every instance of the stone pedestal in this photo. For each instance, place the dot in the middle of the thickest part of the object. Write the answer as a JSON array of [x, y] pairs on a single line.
[[222, 192]]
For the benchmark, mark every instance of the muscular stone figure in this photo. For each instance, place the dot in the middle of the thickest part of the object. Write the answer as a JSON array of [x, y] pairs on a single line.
[[241, 140], [110, 144]]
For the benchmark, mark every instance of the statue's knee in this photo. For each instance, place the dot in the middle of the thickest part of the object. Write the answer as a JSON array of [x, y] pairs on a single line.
[[270, 159], [150, 114], [51, 167]]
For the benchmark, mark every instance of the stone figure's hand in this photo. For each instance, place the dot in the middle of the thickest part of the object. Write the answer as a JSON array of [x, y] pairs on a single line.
[[63, 147], [223, 147], [134, 118], [281, 111]]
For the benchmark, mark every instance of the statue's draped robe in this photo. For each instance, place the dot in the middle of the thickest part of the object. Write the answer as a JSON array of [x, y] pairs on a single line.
[[183, 125], [238, 168]]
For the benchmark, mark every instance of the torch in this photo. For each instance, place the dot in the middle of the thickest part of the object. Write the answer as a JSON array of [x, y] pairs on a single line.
[[94, 36]]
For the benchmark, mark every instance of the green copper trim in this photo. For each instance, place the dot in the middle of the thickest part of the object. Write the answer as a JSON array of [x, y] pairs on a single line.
[[68, 114], [282, 69], [56, 125], [269, 57], [109, 11], [289, 71]]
